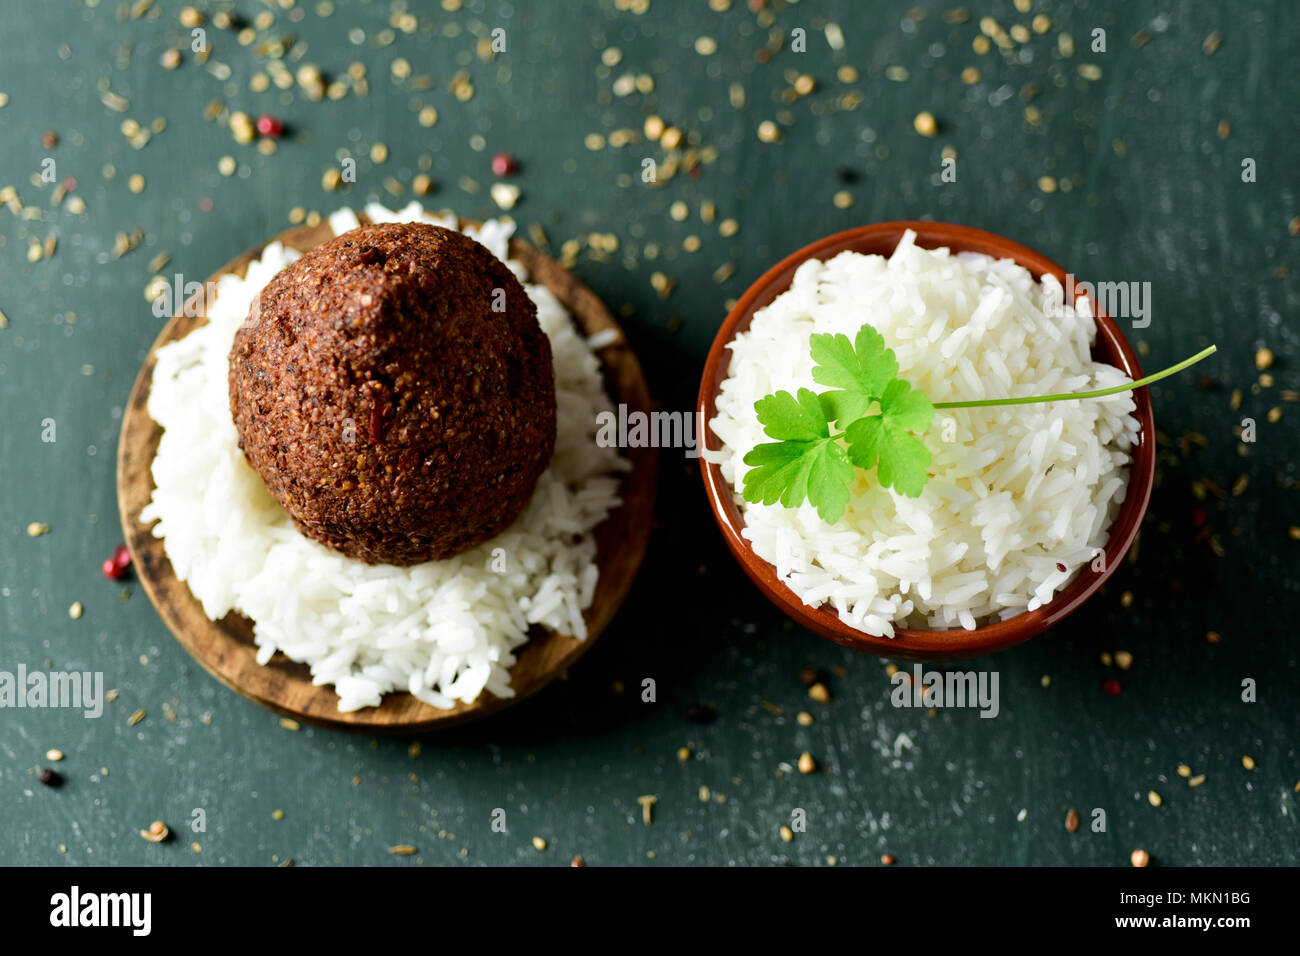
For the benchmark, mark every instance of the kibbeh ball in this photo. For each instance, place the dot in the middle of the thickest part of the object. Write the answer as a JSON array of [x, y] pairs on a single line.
[[395, 393]]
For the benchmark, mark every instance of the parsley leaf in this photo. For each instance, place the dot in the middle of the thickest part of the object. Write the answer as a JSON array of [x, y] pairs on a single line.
[[784, 416], [884, 441], [861, 370], [806, 464]]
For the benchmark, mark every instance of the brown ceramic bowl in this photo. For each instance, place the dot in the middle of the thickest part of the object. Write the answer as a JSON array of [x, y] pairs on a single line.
[[955, 644]]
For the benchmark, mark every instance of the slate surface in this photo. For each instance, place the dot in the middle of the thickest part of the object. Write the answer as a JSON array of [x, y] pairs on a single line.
[[1155, 194]]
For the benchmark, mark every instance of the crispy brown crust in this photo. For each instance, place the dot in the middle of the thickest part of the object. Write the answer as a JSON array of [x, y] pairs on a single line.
[[393, 414]]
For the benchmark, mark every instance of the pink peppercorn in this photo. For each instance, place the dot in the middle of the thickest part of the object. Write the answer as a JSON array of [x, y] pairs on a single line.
[[270, 126], [115, 568], [503, 164]]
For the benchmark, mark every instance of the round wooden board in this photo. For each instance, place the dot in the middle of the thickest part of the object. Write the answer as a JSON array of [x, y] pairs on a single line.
[[226, 649]]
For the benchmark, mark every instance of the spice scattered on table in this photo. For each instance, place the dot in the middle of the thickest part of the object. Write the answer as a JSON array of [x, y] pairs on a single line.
[[270, 126], [1072, 821], [157, 832], [647, 808], [48, 777], [538, 843], [503, 164], [1140, 858]]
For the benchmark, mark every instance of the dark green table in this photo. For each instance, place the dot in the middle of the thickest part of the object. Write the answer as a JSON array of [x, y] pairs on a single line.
[[1144, 144]]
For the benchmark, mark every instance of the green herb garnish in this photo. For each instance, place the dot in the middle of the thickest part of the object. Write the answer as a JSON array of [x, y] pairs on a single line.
[[882, 417]]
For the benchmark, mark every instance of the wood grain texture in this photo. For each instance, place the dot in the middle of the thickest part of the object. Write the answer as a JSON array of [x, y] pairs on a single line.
[[226, 648]]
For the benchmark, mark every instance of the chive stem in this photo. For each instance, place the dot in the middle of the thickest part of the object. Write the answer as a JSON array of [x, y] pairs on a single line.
[[1099, 393]]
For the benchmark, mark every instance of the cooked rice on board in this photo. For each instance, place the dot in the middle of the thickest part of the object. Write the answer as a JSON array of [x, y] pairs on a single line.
[[1014, 491], [443, 630]]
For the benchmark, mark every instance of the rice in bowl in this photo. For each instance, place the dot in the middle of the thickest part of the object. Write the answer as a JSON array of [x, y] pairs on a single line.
[[1019, 498], [445, 631]]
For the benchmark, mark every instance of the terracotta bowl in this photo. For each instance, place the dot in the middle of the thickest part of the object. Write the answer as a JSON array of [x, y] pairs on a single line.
[[946, 645]]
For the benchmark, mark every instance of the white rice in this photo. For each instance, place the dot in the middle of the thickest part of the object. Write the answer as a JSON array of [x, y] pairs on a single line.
[[1014, 491], [443, 630]]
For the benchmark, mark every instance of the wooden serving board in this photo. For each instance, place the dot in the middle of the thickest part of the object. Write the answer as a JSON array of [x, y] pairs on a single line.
[[225, 648]]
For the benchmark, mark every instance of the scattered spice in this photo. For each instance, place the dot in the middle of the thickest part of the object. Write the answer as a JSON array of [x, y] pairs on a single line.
[[48, 777], [157, 832], [76, 610], [887, 859], [1197, 780], [577, 861], [819, 693], [271, 126], [925, 123], [538, 843], [1111, 688], [809, 676], [504, 195], [37, 528], [1154, 798], [1123, 660], [787, 834], [806, 763], [1140, 858], [116, 567], [1248, 762], [647, 807], [1072, 821], [503, 164], [54, 754], [402, 849], [135, 718]]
